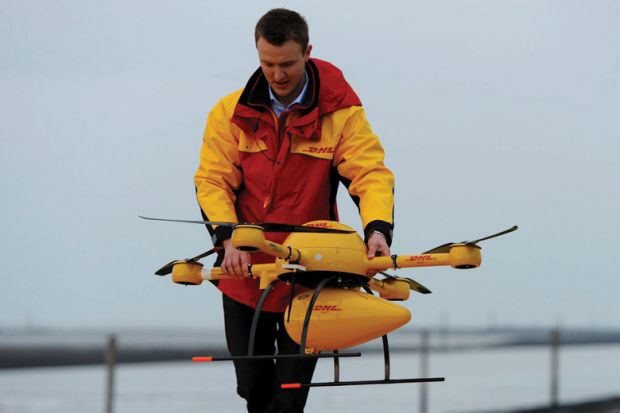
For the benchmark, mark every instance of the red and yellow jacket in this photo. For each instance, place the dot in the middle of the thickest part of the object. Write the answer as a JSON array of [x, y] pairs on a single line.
[[257, 168]]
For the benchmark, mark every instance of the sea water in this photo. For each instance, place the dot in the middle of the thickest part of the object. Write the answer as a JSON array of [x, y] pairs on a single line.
[[481, 380]]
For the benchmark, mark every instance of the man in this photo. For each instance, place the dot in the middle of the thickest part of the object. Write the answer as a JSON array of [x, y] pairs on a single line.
[[275, 151]]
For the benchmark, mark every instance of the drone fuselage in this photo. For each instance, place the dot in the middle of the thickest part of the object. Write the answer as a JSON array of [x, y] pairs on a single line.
[[344, 253]]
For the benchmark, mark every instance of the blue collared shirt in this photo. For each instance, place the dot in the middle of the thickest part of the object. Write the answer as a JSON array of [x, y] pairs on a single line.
[[278, 107]]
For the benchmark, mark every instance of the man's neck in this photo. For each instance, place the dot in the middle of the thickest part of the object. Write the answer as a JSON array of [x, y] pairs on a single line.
[[279, 105]]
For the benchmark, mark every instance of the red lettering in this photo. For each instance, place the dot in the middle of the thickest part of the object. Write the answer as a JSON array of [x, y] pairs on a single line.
[[418, 258], [319, 225], [326, 308], [325, 149]]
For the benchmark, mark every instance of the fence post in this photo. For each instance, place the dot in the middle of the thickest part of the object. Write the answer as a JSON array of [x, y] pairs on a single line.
[[555, 367], [110, 361], [424, 371]]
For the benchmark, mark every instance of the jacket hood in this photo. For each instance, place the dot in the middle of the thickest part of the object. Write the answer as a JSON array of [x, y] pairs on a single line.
[[334, 91]]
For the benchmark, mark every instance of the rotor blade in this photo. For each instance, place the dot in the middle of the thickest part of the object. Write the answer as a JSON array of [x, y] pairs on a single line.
[[189, 221], [509, 230], [204, 254], [413, 285], [441, 249], [267, 227], [166, 269], [416, 286], [445, 248]]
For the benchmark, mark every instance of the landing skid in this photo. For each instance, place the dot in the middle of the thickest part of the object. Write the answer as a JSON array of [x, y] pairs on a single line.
[[359, 382], [336, 355], [333, 355]]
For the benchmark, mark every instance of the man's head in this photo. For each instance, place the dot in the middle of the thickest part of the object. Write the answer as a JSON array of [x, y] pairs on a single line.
[[282, 42]]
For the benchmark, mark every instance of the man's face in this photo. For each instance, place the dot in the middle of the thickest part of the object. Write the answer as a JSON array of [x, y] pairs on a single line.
[[284, 67]]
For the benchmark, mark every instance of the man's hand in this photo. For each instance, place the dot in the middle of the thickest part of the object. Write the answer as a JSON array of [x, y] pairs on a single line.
[[377, 246], [235, 262]]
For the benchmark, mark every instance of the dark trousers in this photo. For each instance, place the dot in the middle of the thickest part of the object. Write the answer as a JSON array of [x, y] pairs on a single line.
[[258, 381]]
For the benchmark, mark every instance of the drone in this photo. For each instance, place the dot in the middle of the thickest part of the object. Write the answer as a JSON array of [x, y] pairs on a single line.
[[338, 309]]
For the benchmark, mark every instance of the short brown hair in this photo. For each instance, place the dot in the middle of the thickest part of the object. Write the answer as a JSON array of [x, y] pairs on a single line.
[[278, 26]]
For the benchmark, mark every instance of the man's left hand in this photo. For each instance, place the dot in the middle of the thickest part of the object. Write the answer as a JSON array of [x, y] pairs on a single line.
[[377, 246]]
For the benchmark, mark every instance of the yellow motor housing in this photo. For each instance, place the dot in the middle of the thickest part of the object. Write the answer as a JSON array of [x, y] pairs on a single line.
[[391, 288], [188, 273], [465, 256], [248, 237], [344, 318]]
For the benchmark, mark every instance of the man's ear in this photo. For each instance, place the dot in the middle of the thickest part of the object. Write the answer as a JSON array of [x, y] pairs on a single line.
[[307, 53]]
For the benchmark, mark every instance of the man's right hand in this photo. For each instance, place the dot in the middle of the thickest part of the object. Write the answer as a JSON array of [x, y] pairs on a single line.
[[235, 262]]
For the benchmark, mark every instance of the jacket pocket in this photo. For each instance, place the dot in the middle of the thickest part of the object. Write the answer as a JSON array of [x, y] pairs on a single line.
[[250, 144]]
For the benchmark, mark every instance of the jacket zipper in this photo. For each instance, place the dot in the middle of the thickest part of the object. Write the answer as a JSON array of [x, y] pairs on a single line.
[[267, 200]]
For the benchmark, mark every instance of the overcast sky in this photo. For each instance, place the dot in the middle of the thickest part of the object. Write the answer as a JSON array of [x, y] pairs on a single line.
[[492, 113]]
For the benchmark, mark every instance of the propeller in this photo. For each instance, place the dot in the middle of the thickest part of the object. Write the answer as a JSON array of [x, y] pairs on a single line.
[[167, 269], [413, 285], [267, 226], [444, 248]]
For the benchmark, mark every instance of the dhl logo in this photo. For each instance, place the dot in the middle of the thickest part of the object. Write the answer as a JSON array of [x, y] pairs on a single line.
[[326, 308], [319, 225], [420, 258], [324, 149]]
